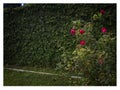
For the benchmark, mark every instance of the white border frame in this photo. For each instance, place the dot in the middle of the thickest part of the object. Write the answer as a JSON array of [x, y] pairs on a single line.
[[68, 87]]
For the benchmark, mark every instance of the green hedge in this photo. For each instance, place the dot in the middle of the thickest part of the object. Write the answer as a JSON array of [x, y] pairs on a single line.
[[38, 34]]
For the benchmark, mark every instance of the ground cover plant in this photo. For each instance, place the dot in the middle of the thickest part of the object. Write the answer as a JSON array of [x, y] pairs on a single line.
[[79, 39]]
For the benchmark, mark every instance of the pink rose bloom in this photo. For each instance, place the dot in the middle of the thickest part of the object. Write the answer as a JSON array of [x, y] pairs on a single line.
[[82, 31], [102, 12], [82, 42], [104, 29], [73, 31]]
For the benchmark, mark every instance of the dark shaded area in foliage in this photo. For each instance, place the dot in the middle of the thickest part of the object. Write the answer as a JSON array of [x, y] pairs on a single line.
[[7, 5]]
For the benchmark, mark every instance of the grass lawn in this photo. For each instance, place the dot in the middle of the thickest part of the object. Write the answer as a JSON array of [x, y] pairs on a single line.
[[15, 78]]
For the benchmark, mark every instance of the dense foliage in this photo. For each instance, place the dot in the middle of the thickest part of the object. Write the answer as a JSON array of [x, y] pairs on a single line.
[[95, 54], [78, 38]]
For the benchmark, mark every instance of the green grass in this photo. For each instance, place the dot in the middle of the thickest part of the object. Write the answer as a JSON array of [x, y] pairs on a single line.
[[15, 78]]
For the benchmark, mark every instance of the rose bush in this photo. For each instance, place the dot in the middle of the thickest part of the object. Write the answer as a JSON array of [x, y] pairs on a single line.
[[92, 57]]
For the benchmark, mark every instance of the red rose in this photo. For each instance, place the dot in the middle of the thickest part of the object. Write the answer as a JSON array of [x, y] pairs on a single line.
[[82, 31], [103, 29], [73, 31], [102, 12], [82, 42]]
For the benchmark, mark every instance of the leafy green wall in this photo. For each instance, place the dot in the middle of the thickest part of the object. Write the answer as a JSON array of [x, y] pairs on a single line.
[[38, 34]]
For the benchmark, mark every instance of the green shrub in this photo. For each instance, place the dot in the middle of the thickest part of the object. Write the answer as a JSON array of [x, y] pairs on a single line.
[[95, 54]]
